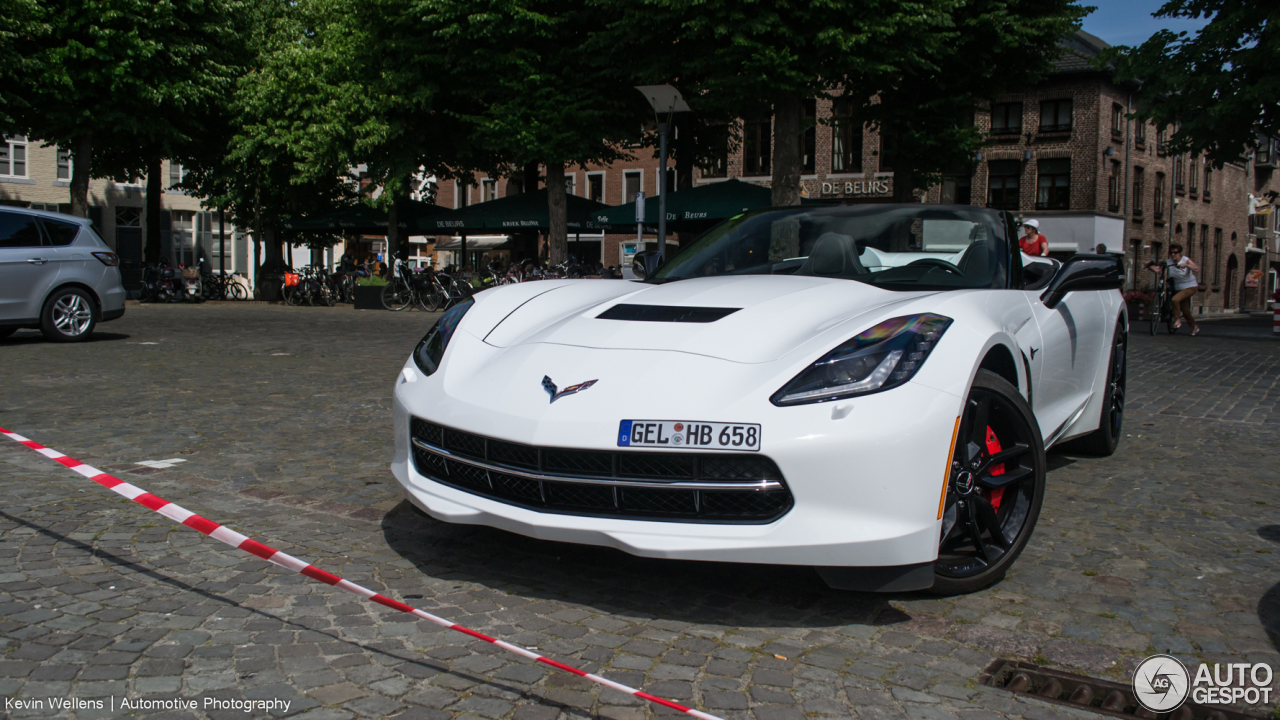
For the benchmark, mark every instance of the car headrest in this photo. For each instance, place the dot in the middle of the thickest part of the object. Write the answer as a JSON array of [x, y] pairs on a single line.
[[833, 255]]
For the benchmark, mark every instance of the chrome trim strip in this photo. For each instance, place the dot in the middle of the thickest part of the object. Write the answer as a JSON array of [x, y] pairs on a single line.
[[1062, 429], [616, 482]]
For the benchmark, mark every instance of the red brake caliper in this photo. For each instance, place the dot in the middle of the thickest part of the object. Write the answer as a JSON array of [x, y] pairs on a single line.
[[993, 447]]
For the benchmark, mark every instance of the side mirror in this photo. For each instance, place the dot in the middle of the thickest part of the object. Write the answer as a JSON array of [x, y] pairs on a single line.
[[645, 264], [1084, 272]]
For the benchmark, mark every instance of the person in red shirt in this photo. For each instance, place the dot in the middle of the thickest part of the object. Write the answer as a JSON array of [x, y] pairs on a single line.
[[1032, 242]]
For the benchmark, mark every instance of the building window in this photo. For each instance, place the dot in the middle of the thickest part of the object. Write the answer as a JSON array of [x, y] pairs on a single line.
[[1117, 120], [846, 139], [1194, 175], [1161, 134], [632, 183], [460, 193], [488, 190], [957, 190], [1158, 204], [64, 164], [1055, 116], [888, 149], [571, 184], [1139, 180], [1139, 133], [175, 174], [755, 147], [1006, 118], [1179, 168], [13, 156], [672, 184], [809, 138], [1208, 175], [1217, 256], [1053, 188], [1113, 187], [1204, 241], [595, 187], [1003, 182], [1191, 239]]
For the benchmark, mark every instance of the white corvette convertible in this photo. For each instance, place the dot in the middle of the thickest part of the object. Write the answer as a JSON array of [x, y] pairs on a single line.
[[868, 390]]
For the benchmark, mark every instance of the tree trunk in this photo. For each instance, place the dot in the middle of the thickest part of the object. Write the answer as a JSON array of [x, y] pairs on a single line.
[[154, 193], [904, 180], [81, 167], [786, 151], [557, 206]]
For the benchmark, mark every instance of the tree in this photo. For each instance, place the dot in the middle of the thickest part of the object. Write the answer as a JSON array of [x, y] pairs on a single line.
[[121, 74], [925, 114], [760, 59], [1218, 88], [540, 95], [20, 26]]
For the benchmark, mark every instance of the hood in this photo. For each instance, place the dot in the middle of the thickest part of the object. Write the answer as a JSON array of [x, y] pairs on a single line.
[[746, 318]]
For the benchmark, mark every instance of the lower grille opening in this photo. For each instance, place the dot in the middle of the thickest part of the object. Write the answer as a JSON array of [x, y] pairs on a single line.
[[734, 489]]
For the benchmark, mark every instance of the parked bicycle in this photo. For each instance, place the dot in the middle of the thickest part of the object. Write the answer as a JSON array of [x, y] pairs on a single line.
[[162, 283], [309, 285], [223, 286]]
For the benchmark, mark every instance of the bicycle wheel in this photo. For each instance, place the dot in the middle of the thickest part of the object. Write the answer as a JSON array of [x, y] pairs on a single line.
[[326, 296], [433, 299], [396, 295], [1169, 318], [237, 291], [1155, 314]]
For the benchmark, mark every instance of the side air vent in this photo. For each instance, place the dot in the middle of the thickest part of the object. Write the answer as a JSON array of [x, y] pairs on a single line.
[[665, 313]]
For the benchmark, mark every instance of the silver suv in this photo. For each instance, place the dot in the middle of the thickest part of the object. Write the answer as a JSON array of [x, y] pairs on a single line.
[[56, 274]]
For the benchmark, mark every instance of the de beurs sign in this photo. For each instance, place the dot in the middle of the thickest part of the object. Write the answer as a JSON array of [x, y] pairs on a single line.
[[855, 188]]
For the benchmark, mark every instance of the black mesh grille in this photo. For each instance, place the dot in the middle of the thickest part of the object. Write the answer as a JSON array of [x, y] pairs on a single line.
[[654, 465], [578, 462], [505, 453], [660, 502], [516, 487], [463, 443], [603, 498], [739, 467]]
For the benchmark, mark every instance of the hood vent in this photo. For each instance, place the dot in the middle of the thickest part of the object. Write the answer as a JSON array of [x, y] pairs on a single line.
[[665, 313]]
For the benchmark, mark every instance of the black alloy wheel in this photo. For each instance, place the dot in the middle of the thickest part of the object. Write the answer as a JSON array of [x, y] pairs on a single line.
[[1106, 438], [995, 489]]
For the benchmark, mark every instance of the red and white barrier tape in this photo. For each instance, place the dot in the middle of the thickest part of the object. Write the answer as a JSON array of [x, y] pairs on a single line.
[[225, 534]]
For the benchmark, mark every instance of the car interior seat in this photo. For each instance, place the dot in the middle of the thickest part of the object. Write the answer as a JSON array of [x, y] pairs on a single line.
[[833, 255]]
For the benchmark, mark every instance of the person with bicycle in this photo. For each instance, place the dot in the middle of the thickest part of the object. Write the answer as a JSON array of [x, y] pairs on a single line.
[[1181, 271]]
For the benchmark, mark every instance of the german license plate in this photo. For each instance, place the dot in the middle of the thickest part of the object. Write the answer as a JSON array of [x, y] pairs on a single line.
[[690, 435]]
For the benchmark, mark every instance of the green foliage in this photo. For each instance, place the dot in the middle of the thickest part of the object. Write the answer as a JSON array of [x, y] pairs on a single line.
[[130, 73], [20, 26], [371, 281], [987, 47], [1218, 88]]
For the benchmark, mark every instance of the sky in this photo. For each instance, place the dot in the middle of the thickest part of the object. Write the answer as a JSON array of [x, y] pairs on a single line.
[[1129, 22]]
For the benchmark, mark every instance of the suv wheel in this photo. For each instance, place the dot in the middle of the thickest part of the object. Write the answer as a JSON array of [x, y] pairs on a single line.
[[70, 315]]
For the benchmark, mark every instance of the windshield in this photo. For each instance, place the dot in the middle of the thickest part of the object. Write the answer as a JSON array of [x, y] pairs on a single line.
[[897, 247]]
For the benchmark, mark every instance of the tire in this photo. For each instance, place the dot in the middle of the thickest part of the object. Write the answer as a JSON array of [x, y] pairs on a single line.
[[1155, 316], [69, 315], [991, 508], [396, 296], [1103, 441], [236, 291], [433, 300]]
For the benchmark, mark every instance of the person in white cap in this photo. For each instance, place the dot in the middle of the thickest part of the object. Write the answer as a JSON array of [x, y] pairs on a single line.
[[1032, 242]]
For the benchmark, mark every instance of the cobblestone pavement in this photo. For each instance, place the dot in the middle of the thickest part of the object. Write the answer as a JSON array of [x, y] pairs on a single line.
[[281, 415]]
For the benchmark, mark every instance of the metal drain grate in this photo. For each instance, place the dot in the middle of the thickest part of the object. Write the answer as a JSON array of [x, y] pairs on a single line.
[[1101, 696]]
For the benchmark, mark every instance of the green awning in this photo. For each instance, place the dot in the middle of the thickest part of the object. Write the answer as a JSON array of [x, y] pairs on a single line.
[[697, 205], [525, 211], [365, 220]]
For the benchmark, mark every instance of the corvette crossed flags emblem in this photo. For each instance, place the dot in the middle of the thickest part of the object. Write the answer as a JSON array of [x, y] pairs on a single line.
[[550, 387]]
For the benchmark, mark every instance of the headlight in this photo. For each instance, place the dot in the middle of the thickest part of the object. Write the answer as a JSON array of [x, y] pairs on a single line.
[[883, 357], [429, 352]]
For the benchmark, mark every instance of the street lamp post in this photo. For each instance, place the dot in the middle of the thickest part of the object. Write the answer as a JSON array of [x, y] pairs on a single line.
[[663, 98]]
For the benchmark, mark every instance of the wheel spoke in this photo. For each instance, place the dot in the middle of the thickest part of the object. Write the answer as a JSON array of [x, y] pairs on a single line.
[[986, 517], [975, 534], [1009, 477], [1004, 456]]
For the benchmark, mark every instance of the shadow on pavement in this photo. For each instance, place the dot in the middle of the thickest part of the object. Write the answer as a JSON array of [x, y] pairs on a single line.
[[613, 581], [1269, 605], [33, 337]]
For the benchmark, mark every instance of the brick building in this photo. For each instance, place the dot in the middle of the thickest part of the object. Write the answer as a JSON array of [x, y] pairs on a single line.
[[1063, 152]]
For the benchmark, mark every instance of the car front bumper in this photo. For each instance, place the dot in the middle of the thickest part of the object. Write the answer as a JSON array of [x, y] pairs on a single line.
[[866, 475]]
